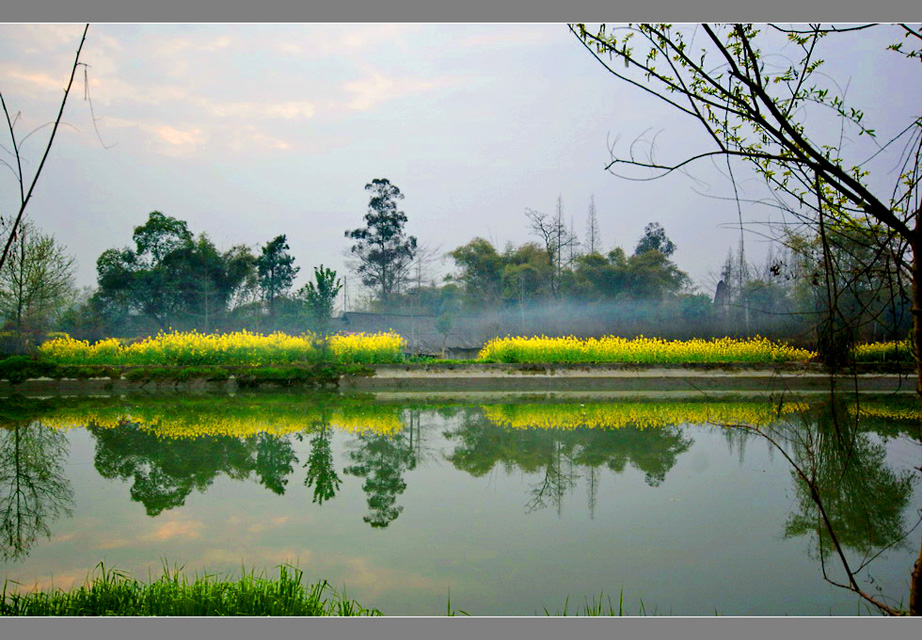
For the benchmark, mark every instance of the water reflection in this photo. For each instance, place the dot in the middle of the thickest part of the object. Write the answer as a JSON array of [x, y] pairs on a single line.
[[321, 474], [559, 457], [164, 471], [862, 498], [34, 490], [167, 452], [381, 460]]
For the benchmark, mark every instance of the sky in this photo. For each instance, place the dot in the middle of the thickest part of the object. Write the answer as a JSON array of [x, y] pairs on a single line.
[[251, 131]]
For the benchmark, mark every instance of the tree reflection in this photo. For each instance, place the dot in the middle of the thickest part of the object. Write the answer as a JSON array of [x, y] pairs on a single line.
[[165, 471], [560, 455], [34, 491], [848, 497], [321, 473], [862, 497], [382, 461]]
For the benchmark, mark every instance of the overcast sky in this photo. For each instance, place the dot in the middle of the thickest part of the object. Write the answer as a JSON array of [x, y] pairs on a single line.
[[250, 131]]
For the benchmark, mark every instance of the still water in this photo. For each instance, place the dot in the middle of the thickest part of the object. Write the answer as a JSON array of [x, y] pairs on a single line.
[[509, 504]]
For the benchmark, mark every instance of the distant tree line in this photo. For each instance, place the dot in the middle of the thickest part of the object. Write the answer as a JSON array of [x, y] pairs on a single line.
[[170, 278]]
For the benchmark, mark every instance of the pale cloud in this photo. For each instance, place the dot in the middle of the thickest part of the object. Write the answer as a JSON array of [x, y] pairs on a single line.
[[64, 581], [376, 580], [180, 137], [376, 88], [346, 40], [113, 543], [188, 529], [508, 37], [246, 110], [41, 38], [259, 557], [36, 79]]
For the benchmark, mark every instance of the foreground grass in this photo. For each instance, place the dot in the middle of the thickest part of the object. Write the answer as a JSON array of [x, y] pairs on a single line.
[[113, 593]]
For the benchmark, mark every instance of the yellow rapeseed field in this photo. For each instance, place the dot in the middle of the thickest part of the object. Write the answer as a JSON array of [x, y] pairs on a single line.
[[639, 350], [640, 415], [238, 348], [895, 351], [240, 424]]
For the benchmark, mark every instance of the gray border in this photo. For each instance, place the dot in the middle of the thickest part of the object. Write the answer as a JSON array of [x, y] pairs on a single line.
[[462, 628], [476, 11], [479, 11]]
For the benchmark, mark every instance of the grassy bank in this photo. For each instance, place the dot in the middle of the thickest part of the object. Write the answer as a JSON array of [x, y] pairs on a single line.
[[113, 593]]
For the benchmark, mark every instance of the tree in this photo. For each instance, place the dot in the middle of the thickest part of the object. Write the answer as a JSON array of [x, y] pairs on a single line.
[[170, 276], [593, 238], [381, 460], [276, 270], [758, 114], [36, 282], [556, 238], [34, 489], [321, 472], [319, 297], [382, 248], [654, 238], [481, 272]]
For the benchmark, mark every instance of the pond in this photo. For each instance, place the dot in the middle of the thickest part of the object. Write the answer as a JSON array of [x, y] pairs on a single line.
[[507, 505]]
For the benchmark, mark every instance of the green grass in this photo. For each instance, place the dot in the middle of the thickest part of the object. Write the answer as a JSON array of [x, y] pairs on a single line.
[[114, 593], [110, 592]]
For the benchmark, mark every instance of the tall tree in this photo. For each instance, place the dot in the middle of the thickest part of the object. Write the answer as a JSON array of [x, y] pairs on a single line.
[[557, 239], [276, 270], [758, 113], [654, 239], [593, 238], [36, 282], [383, 249]]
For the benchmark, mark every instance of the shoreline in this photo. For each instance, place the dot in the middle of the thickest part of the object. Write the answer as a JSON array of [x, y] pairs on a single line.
[[481, 377]]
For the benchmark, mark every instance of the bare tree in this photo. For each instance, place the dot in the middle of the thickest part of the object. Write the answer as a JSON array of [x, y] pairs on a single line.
[[24, 194], [593, 239], [757, 114], [557, 239]]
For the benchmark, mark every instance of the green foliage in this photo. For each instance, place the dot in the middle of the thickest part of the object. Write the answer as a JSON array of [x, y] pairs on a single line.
[[321, 473], [36, 284], [654, 239], [319, 297], [275, 269], [481, 272], [170, 277], [115, 593]]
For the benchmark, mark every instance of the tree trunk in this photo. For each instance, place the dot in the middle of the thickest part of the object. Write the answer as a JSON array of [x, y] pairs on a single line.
[[915, 584]]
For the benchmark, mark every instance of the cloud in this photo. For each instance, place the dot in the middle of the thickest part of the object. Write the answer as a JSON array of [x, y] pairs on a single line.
[[376, 580], [345, 40], [188, 529], [37, 79], [250, 110], [508, 36], [376, 88]]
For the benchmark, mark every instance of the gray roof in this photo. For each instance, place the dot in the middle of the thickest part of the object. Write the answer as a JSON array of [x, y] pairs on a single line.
[[420, 332]]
